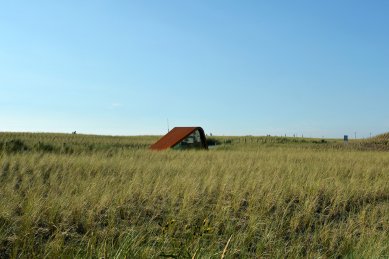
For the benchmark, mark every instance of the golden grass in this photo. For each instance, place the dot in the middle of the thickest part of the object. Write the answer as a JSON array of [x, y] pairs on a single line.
[[246, 199]]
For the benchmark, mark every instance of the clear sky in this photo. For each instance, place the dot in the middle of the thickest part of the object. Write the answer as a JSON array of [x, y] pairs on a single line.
[[318, 68]]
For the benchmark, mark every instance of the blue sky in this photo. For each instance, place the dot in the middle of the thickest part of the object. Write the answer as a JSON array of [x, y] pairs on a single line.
[[318, 68]]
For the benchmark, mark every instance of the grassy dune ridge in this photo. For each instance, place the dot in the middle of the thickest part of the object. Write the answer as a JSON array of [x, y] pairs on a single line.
[[111, 197]]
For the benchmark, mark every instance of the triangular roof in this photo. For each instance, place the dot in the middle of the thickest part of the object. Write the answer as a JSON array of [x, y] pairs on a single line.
[[175, 136]]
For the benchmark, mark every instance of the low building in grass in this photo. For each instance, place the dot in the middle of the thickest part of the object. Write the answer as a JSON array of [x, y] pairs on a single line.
[[182, 138]]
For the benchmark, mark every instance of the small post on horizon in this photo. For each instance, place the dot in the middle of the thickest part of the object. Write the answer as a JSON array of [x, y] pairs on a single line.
[[168, 128]]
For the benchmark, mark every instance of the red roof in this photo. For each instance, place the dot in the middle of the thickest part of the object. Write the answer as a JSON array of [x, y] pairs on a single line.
[[175, 136]]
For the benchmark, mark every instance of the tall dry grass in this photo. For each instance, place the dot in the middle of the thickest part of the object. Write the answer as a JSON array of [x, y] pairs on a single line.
[[278, 200]]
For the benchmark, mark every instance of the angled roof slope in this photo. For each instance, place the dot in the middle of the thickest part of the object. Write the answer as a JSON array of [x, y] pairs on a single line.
[[175, 136]]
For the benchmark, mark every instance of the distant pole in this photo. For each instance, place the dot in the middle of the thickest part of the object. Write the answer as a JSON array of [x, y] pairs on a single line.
[[355, 135], [168, 128], [370, 134]]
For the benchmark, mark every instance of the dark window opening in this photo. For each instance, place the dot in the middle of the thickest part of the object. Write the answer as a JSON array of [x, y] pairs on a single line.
[[193, 141]]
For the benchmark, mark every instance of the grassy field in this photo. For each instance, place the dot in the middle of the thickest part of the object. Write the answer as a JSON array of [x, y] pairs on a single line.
[[93, 196]]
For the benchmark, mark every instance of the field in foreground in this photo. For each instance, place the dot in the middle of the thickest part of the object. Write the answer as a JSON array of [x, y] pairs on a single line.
[[90, 196]]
